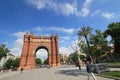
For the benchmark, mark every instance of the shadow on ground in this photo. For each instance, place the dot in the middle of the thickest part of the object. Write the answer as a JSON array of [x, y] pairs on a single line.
[[72, 72]]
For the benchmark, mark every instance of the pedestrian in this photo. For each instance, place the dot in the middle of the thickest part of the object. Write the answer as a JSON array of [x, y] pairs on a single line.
[[79, 64], [21, 70], [89, 69], [48, 66]]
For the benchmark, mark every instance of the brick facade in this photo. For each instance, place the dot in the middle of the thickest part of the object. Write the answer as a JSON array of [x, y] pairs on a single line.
[[33, 43]]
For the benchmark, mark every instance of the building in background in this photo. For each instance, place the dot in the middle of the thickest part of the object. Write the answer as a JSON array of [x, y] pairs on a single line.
[[63, 58]]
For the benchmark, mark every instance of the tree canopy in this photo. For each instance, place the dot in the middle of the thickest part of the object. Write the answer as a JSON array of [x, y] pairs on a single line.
[[16, 62], [98, 45], [38, 61], [113, 30], [3, 50], [46, 61], [9, 64]]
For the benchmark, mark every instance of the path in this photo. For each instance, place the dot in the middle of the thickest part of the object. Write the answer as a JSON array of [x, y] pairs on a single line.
[[56, 73]]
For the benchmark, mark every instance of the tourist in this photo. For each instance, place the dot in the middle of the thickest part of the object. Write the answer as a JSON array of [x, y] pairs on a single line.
[[89, 69], [79, 65], [21, 70]]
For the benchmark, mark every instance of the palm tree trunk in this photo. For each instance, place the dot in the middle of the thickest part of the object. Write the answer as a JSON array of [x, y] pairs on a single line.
[[90, 55]]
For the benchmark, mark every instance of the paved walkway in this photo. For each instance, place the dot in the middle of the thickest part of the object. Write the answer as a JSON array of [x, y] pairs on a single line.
[[57, 73]]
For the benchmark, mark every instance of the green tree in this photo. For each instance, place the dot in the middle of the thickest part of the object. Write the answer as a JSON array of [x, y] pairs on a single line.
[[46, 61], [99, 45], [61, 60], [74, 57], [85, 32], [3, 50], [16, 62], [9, 63], [38, 61], [98, 39], [82, 57], [114, 31]]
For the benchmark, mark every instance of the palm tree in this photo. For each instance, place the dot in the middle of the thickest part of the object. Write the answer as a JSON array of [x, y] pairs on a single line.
[[85, 31]]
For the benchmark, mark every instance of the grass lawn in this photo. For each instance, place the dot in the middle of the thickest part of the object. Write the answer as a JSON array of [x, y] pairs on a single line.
[[114, 74], [113, 63]]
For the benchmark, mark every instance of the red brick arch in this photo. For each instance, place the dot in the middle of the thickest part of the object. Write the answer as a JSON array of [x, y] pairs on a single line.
[[33, 43], [41, 47]]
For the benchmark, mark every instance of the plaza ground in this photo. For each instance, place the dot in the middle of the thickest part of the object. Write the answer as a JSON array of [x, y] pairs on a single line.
[[66, 72]]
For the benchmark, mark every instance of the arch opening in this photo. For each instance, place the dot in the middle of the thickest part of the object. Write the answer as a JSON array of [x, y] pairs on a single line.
[[42, 53]]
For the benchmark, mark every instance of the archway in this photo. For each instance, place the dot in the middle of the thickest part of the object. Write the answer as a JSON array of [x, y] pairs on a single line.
[[33, 43], [42, 54]]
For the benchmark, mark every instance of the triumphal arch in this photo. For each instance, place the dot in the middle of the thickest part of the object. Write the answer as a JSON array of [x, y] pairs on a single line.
[[33, 43]]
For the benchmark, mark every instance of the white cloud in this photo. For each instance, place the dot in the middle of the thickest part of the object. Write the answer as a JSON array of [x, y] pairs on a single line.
[[66, 9], [108, 15], [37, 28], [65, 37], [62, 8], [62, 39], [85, 9], [17, 44], [66, 50], [41, 4], [18, 34], [42, 54], [87, 3], [60, 29], [69, 46], [84, 12], [105, 15], [97, 12]]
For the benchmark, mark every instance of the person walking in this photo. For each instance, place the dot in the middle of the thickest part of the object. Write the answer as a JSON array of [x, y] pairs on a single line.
[[79, 64], [21, 70], [89, 69]]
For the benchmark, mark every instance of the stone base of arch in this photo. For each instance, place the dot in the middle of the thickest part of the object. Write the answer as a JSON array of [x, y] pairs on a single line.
[[26, 68], [31, 67]]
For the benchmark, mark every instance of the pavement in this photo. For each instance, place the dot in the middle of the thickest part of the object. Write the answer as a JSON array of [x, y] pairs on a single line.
[[66, 72]]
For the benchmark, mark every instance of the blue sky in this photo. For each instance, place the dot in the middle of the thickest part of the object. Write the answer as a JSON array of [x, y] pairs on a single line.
[[44, 17]]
